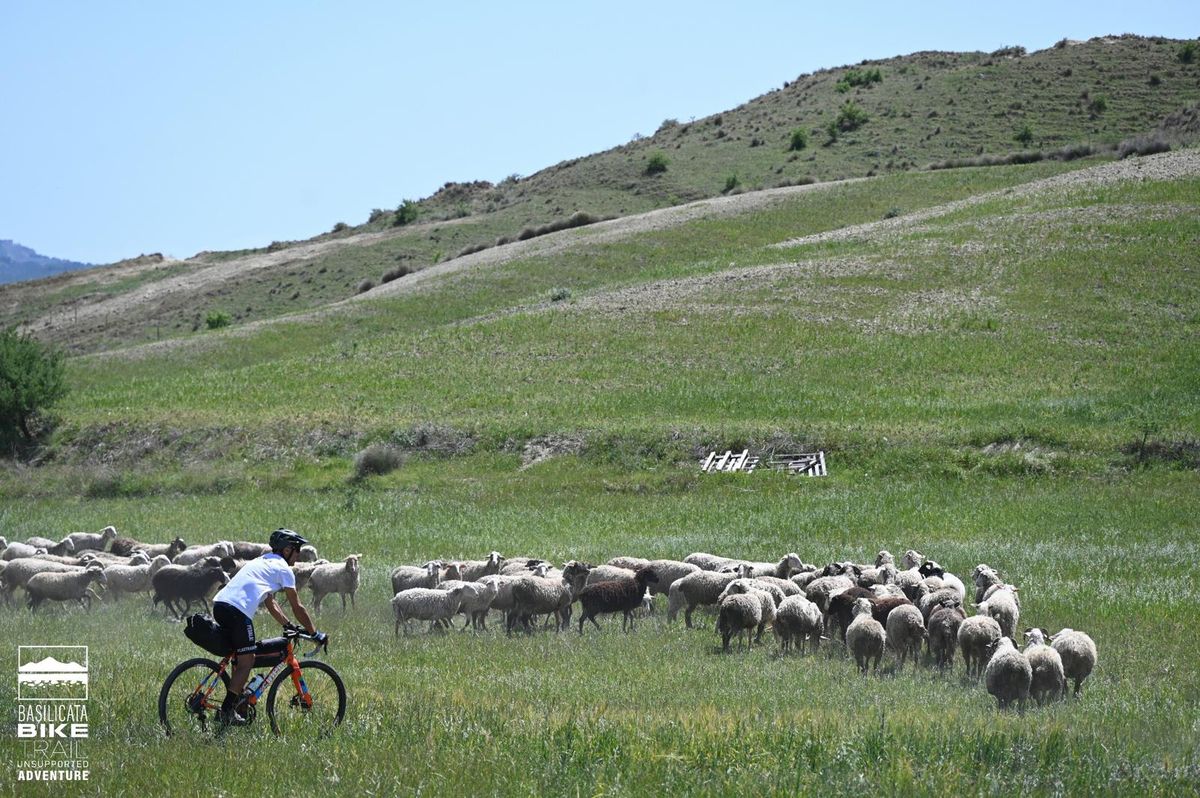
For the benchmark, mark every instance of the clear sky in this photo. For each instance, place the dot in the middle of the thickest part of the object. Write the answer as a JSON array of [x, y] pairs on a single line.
[[175, 127]]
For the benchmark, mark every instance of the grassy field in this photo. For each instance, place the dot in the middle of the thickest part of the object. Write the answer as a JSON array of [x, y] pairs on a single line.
[[1012, 381]]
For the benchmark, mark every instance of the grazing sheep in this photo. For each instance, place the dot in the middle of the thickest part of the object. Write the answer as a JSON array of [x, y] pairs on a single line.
[[477, 598], [787, 565], [341, 578], [1078, 652], [709, 562], [821, 590], [943, 633], [930, 568], [540, 596], [786, 586], [618, 595], [984, 576], [1002, 605], [905, 632], [521, 566], [171, 550], [195, 554], [630, 563], [1008, 674], [866, 637], [425, 604], [669, 572], [936, 599], [19, 551], [405, 577], [976, 636], [738, 614], [177, 586], [67, 586], [504, 585], [698, 589], [797, 618], [841, 610], [62, 548], [609, 573], [303, 572], [245, 550], [18, 572], [768, 595], [132, 578], [93, 540], [474, 570], [1049, 681]]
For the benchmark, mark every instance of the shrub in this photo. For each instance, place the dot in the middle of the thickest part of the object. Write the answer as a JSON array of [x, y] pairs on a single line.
[[1024, 135], [376, 215], [858, 77], [1187, 53], [1143, 145], [32, 378], [406, 213], [471, 249], [1098, 104], [560, 294], [216, 319], [731, 183], [377, 459], [657, 164], [366, 285], [799, 140], [340, 226], [1155, 80], [851, 117], [392, 274]]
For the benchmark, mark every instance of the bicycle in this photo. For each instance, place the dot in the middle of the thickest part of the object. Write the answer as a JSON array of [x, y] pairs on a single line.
[[189, 701]]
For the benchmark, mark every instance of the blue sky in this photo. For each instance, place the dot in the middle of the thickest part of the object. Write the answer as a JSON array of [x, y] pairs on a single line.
[[133, 127]]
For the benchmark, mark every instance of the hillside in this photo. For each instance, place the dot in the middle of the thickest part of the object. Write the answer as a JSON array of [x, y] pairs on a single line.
[[924, 108], [19, 263]]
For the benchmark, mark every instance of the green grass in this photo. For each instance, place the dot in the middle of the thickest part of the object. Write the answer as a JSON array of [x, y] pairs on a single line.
[[662, 709]]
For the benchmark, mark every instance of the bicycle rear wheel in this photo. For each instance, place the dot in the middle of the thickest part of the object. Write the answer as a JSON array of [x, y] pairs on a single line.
[[190, 699], [317, 710]]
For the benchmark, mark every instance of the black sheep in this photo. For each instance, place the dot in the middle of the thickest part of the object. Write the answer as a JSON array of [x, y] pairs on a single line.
[[621, 595], [177, 586]]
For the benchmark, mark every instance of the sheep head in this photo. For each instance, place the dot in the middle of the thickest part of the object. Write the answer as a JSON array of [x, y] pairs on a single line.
[[1035, 637], [884, 557], [352, 563], [862, 606]]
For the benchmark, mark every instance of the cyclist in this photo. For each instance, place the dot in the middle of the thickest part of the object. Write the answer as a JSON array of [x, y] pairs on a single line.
[[235, 604]]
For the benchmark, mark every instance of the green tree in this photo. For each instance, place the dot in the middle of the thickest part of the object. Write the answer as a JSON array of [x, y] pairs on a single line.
[[799, 139], [1024, 135], [31, 380], [406, 213]]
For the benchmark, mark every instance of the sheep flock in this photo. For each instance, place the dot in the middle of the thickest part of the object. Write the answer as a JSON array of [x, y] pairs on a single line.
[[913, 612]]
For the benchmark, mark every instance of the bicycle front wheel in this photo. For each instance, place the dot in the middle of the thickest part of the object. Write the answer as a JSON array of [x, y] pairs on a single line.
[[316, 707], [191, 697]]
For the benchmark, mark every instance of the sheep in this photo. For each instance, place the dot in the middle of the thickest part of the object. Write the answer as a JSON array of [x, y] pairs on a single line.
[[108, 558], [133, 578], [669, 572], [763, 592], [341, 578], [308, 553], [476, 597], [521, 566], [709, 562], [931, 568], [701, 588], [62, 548], [245, 550], [943, 633], [866, 636], [1002, 605], [936, 599], [609, 573], [540, 596], [195, 554], [171, 550], [993, 589], [738, 614], [976, 635], [1008, 674], [425, 604], [1049, 680], [1078, 652], [474, 570], [177, 586], [504, 585], [797, 618], [19, 551], [303, 572], [427, 576], [882, 573], [93, 540], [618, 595], [786, 586], [787, 565], [18, 572], [905, 632], [821, 590], [841, 610], [984, 576], [631, 563], [888, 591], [67, 586]]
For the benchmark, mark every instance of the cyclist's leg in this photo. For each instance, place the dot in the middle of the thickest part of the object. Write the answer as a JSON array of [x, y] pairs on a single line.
[[241, 635]]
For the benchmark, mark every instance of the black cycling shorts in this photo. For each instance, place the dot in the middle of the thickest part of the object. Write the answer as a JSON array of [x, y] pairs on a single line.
[[237, 626]]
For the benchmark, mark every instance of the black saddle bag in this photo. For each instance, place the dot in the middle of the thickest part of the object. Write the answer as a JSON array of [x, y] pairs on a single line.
[[208, 634], [270, 652]]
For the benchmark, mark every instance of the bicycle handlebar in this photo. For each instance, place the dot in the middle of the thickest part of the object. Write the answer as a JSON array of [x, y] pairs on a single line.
[[321, 639]]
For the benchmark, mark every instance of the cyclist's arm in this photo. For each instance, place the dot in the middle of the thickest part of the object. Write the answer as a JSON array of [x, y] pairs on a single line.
[[298, 609], [273, 608]]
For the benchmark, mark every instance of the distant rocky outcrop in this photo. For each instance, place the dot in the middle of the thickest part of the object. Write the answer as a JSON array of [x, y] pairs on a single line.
[[22, 263]]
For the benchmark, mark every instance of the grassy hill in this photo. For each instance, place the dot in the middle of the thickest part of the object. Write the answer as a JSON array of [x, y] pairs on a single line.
[[924, 109]]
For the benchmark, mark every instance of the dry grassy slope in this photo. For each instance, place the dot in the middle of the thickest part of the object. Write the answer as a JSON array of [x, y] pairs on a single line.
[[929, 106]]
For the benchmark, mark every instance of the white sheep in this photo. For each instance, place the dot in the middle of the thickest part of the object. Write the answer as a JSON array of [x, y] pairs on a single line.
[[1008, 674], [303, 572], [943, 633], [1078, 652], [195, 554], [797, 618], [905, 632], [62, 548], [308, 553], [425, 604], [669, 572], [67, 586], [609, 573], [865, 637], [976, 636], [1003, 606], [474, 570], [701, 588], [477, 598], [540, 596], [632, 563], [405, 577], [19, 551], [784, 568], [768, 595], [821, 590], [132, 578], [17, 573], [93, 540], [1049, 681], [709, 562], [738, 614], [341, 578]]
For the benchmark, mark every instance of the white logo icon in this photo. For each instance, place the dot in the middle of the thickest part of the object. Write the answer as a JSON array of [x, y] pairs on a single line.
[[52, 673]]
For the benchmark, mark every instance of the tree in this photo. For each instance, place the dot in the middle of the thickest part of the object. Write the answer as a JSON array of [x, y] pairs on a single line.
[[31, 380]]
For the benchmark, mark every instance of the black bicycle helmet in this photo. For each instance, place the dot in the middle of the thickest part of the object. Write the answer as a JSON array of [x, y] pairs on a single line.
[[282, 538]]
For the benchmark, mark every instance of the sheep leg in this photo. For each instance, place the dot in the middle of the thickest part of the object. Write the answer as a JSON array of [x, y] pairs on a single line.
[[687, 615]]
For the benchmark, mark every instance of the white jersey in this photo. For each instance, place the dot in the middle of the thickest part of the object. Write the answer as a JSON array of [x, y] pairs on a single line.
[[257, 579]]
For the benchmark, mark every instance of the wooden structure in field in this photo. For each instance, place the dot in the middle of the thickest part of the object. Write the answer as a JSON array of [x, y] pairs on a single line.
[[811, 464]]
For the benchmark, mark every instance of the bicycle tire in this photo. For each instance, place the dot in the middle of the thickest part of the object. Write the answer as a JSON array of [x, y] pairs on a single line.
[[293, 716], [166, 702]]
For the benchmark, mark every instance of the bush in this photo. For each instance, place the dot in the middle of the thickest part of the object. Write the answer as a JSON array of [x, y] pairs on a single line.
[[657, 164], [392, 274], [851, 117], [1024, 135], [340, 227], [731, 183], [1143, 145], [1187, 53], [1098, 104], [366, 285], [32, 378], [799, 140], [406, 213], [216, 319], [377, 459], [376, 215], [560, 294], [858, 77]]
